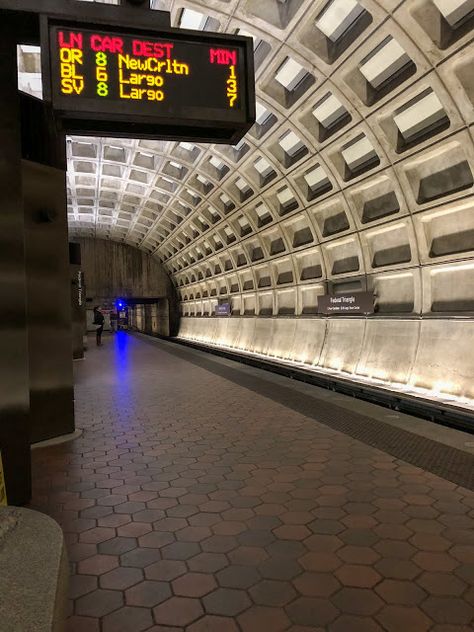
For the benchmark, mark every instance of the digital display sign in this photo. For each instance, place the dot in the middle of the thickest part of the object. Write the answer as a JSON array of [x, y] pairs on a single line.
[[174, 83]]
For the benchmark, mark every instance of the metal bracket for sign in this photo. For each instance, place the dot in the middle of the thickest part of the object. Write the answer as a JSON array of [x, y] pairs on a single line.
[[182, 121], [45, 62]]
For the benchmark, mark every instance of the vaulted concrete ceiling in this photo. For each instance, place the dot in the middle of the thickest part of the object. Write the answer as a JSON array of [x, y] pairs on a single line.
[[347, 92], [364, 121]]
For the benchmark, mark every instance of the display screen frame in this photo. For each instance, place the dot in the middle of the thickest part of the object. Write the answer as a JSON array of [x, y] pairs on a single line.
[[114, 118]]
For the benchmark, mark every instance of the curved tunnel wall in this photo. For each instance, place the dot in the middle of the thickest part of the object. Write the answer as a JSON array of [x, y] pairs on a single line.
[[113, 270], [118, 270], [358, 175]]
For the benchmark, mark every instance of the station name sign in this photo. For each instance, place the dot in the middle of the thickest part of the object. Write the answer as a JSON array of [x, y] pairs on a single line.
[[223, 309], [348, 303], [180, 84]]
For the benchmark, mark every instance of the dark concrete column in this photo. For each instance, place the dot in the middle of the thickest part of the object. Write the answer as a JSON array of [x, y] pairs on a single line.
[[163, 316], [14, 391], [49, 301], [148, 325]]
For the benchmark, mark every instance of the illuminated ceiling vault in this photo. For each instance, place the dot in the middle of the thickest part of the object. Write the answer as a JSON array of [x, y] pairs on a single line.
[[348, 93], [358, 173]]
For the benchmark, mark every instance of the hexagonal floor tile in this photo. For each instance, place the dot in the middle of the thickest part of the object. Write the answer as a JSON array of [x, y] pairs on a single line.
[[178, 611]]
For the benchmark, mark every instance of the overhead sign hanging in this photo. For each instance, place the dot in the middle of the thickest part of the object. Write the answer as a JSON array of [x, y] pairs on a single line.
[[172, 84]]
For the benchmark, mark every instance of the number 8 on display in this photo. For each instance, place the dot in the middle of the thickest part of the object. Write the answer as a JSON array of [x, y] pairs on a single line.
[[101, 74]]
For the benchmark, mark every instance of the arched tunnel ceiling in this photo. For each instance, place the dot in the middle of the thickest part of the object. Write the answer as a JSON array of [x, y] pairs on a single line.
[[360, 162], [357, 102]]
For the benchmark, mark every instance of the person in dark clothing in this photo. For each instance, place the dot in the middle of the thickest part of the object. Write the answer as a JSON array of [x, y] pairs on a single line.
[[99, 322]]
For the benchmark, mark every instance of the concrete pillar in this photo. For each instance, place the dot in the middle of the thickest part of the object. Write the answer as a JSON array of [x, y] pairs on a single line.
[[49, 301], [14, 387], [163, 316]]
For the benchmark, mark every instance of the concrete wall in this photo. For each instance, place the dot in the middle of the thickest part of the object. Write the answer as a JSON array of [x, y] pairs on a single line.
[[153, 318], [426, 356], [116, 270], [113, 270]]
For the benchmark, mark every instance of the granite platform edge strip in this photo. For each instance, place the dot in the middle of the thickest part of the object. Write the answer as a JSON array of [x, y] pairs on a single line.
[[445, 461]]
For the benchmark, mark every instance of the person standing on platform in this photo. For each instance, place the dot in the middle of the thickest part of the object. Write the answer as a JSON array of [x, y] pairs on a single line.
[[113, 321], [99, 322]]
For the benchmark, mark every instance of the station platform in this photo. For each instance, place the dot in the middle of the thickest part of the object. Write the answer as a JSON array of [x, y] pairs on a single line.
[[209, 496]]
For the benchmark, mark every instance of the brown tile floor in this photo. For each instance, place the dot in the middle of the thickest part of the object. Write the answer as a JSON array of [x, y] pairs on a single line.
[[192, 503]]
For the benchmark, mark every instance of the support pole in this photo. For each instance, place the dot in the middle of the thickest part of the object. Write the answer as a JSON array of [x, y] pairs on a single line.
[[14, 387]]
